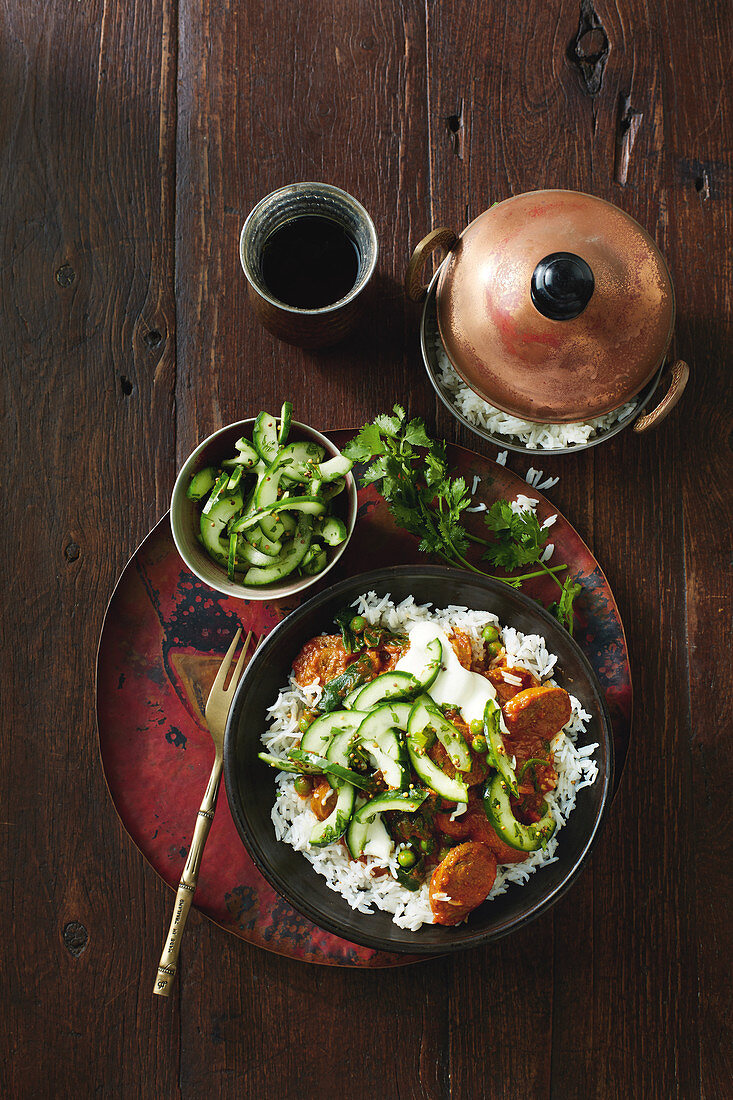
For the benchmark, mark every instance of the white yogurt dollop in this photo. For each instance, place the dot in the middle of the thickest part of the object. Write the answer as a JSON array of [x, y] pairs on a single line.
[[468, 691]]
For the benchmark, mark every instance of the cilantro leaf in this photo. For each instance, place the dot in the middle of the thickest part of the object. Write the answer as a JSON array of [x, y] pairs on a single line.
[[416, 435], [378, 469], [563, 609], [366, 444], [457, 493], [518, 538], [404, 516], [391, 425], [499, 516]]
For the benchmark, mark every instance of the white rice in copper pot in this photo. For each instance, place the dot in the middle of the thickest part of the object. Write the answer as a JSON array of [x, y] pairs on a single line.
[[293, 820], [483, 415]]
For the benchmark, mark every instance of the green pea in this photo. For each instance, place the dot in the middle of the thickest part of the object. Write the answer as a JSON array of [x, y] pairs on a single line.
[[477, 726], [357, 624], [427, 845], [479, 743], [407, 858], [302, 786], [490, 633], [494, 649]]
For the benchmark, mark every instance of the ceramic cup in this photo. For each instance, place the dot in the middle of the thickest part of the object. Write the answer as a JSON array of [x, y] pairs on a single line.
[[308, 328]]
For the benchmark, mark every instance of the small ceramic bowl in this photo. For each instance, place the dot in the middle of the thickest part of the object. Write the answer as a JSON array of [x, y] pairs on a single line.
[[184, 514], [250, 784]]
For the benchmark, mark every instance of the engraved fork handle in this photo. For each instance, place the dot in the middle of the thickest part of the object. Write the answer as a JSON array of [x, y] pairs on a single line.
[[187, 886]]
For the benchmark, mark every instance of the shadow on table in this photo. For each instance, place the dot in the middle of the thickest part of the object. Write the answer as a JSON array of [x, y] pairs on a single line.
[[387, 331]]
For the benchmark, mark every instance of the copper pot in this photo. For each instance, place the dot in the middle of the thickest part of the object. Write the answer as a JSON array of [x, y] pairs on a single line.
[[553, 306]]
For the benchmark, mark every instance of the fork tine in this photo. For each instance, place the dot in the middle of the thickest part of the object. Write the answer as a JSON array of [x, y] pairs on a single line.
[[224, 666], [238, 667]]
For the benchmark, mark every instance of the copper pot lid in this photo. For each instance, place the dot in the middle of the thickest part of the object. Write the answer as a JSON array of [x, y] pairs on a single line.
[[555, 306]]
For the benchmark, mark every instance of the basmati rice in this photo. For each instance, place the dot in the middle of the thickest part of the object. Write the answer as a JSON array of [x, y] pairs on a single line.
[[535, 436], [534, 478]]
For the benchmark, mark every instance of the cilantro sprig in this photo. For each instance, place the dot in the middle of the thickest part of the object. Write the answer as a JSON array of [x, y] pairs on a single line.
[[520, 540], [421, 496], [412, 474]]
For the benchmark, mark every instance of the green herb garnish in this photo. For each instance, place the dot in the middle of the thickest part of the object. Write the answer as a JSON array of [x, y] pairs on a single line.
[[412, 474], [519, 540], [563, 609], [356, 634], [343, 620]]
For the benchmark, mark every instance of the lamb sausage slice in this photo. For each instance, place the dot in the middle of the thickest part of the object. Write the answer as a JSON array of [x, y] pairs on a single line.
[[507, 689], [542, 711], [321, 659], [474, 825], [461, 882]]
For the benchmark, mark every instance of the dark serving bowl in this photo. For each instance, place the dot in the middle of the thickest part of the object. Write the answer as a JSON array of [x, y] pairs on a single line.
[[250, 784]]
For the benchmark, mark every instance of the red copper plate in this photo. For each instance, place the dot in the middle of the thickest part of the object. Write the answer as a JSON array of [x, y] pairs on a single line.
[[164, 635]]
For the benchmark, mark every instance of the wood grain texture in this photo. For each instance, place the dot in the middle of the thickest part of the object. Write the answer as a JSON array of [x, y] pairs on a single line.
[[88, 324], [135, 140], [699, 146], [337, 94]]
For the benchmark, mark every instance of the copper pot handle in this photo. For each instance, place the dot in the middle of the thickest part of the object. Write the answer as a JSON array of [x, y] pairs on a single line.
[[444, 238], [680, 375]]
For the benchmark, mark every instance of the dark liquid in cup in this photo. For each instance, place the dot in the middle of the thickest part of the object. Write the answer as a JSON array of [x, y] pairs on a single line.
[[310, 262]]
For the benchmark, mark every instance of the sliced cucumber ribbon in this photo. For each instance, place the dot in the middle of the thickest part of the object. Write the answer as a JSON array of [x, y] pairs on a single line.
[[312, 505], [333, 468], [425, 715], [524, 838], [264, 436], [369, 838], [247, 455], [380, 735], [405, 801], [286, 413], [216, 494], [367, 829], [390, 685], [421, 733], [497, 754], [335, 825], [321, 731], [333, 828], [235, 478], [290, 558], [213, 523], [201, 483], [432, 669]]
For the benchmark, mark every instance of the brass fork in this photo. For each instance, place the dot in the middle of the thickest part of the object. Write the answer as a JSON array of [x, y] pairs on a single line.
[[217, 711]]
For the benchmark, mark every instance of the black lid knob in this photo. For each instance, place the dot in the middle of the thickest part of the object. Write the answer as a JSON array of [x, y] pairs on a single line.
[[562, 285]]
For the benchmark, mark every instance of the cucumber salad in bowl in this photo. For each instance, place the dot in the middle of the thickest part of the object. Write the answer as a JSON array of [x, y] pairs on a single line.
[[426, 759], [263, 504]]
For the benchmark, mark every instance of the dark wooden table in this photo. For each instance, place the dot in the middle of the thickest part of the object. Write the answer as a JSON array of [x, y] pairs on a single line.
[[136, 137]]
